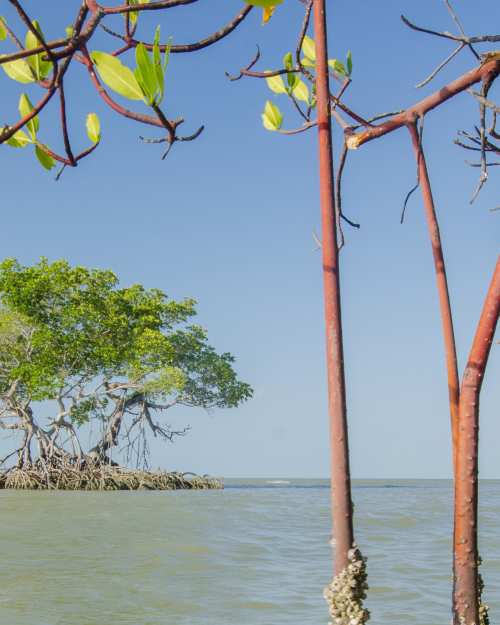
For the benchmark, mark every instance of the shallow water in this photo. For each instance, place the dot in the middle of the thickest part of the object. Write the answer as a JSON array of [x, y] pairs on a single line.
[[254, 554]]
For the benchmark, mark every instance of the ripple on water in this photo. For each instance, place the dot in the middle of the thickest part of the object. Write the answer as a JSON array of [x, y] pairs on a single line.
[[257, 555]]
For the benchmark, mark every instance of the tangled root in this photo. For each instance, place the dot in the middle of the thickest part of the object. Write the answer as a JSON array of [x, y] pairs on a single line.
[[101, 477], [347, 590]]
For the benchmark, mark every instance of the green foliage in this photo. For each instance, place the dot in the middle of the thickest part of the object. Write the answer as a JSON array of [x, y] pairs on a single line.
[[36, 62], [309, 51], [25, 108], [295, 87], [93, 127], [272, 117], [117, 76], [265, 4], [19, 70], [73, 323], [3, 30], [133, 15], [45, 159], [146, 82]]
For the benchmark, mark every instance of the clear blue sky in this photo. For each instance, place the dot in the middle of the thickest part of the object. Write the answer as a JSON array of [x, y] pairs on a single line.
[[229, 220]]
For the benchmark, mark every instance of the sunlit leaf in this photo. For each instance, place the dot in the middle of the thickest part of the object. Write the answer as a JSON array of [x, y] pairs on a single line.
[[276, 84], [292, 79], [117, 76], [306, 62], [337, 66], [288, 61], [19, 70], [309, 48], [349, 63], [265, 4], [69, 31], [40, 67], [93, 128], [25, 108], [45, 159], [3, 30], [145, 73], [19, 140], [272, 117], [301, 92], [267, 13], [135, 14]]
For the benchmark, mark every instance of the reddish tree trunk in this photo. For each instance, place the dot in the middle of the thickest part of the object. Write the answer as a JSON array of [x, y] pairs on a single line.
[[340, 472], [465, 591], [442, 285]]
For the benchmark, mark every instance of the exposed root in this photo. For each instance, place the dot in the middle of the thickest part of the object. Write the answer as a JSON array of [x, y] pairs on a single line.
[[101, 477], [347, 591]]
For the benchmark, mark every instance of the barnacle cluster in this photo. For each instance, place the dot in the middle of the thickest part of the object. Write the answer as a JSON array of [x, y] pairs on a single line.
[[484, 618], [347, 590]]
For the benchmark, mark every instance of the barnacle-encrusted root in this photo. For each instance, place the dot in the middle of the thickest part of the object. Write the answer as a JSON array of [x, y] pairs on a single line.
[[346, 592]]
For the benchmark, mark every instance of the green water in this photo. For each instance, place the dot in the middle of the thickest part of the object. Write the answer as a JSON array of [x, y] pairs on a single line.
[[253, 554]]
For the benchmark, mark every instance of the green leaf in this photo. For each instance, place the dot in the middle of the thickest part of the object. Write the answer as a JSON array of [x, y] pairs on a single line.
[[337, 66], [135, 14], [25, 108], [309, 48], [292, 79], [265, 4], [3, 30], [307, 62], [19, 140], [117, 76], [40, 67], [93, 128], [69, 31], [301, 92], [288, 61], [276, 84], [160, 67], [19, 70], [349, 63], [145, 73], [272, 117], [45, 159]]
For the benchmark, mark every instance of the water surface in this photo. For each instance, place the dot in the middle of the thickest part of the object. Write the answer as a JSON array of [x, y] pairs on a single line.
[[254, 554]]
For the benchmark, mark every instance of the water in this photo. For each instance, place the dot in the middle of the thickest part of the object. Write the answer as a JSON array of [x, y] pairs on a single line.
[[253, 554]]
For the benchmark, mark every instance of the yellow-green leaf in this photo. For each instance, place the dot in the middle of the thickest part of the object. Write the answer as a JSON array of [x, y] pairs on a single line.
[[309, 48], [25, 108], [135, 14], [272, 117], [93, 128], [307, 62], [19, 70], [19, 140], [117, 76], [276, 84], [3, 30], [146, 74], [301, 92], [265, 4], [337, 66], [40, 67], [45, 159]]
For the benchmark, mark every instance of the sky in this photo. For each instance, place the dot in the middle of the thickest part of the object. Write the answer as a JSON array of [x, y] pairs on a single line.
[[230, 220]]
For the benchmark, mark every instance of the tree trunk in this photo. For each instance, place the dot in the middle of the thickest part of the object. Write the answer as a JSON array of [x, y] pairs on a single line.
[[340, 473], [466, 591], [442, 285]]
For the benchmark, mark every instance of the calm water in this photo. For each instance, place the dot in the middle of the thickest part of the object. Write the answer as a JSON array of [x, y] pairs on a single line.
[[253, 554]]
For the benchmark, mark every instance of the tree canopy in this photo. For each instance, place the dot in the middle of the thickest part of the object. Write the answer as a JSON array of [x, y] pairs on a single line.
[[72, 339]]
